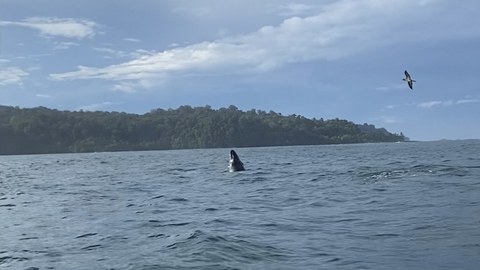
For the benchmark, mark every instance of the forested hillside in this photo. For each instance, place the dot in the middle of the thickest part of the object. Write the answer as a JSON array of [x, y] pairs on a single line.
[[43, 130]]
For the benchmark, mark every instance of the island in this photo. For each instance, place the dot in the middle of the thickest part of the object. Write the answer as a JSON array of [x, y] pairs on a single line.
[[42, 130]]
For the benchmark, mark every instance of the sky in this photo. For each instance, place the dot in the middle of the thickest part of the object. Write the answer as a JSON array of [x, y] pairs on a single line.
[[320, 59]]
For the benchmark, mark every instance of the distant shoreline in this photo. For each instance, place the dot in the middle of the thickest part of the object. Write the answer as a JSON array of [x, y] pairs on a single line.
[[41, 130]]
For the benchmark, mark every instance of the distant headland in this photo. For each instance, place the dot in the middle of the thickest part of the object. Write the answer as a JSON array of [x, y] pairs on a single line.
[[41, 130]]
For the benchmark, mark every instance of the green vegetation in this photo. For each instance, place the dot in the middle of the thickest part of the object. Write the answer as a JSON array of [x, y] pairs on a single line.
[[43, 130]]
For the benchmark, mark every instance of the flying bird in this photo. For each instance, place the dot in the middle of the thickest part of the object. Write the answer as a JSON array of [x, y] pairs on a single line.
[[409, 80]]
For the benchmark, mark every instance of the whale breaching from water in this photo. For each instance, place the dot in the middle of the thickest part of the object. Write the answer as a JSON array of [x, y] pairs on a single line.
[[409, 80], [235, 165]]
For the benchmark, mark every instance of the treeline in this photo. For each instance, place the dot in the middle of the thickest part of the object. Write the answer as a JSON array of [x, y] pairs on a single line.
[[43, 130]]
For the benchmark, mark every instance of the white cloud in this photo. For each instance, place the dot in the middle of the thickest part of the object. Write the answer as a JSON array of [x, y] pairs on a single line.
[[62, 27], [435, 103], [429, 104], [132, 40], [341, 29], [112, 53], [446, 103], [64, 45], [467, 101], [12, 76], [146, 66]]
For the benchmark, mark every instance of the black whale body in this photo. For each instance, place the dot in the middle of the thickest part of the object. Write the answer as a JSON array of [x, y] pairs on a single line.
[[235, 164]]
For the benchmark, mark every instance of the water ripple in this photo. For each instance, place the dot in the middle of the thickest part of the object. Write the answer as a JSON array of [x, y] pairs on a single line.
[[372, 206]]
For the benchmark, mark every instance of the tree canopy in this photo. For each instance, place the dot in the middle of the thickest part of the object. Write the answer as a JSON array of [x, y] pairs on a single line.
[[43, 130]]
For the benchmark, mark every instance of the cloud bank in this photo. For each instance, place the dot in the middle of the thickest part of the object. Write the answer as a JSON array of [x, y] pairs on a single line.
[[340, 29]]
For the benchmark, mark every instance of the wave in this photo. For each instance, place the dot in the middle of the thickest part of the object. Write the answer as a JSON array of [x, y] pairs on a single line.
[[369, 173], [200, 247]]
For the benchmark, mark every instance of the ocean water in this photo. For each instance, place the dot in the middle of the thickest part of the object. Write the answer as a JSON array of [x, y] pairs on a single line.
[[366, 206]]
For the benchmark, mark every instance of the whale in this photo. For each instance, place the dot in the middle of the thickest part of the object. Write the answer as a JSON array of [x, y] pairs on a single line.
[[235, 164]]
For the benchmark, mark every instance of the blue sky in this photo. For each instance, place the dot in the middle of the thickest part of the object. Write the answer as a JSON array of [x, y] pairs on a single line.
[[322, 59]]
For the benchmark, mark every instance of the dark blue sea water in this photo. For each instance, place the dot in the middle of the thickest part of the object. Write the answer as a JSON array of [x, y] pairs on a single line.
[[368, 206]]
